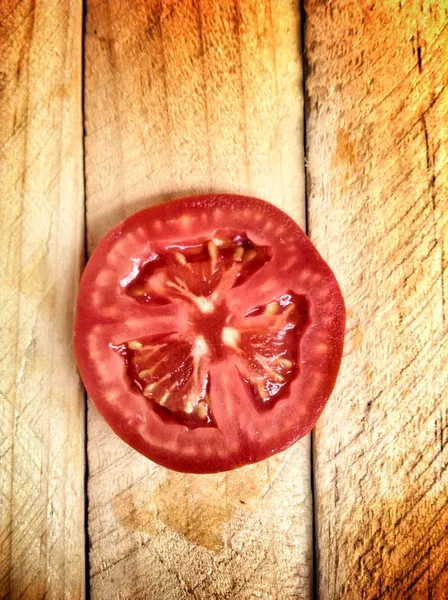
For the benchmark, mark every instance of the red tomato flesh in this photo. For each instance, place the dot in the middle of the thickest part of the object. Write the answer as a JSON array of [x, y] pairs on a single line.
[[209, 332]]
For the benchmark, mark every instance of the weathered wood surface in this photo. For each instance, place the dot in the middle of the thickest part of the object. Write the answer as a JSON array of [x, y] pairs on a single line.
[[192, 97], [377, 133], [41, 251], [185, 97]]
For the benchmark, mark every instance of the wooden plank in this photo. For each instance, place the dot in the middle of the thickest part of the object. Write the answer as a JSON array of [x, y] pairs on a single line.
[[377, 155], [186, 97], [41, 251]]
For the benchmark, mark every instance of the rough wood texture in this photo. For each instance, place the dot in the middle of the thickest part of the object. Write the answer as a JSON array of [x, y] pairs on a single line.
[[41, 246], [378, 211], [185, 97]]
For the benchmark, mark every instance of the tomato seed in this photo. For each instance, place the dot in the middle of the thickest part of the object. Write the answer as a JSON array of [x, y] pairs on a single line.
[[272, 308], [264, 394], [134, 345], [202, 410], [217, 241], [180, 258], [212, 250], [277, 377], [238, 254], [149, 388], [287, 364], [163, 398], [145, 373]]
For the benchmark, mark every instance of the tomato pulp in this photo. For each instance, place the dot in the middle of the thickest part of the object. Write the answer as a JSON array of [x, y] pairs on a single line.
[[209, 332]]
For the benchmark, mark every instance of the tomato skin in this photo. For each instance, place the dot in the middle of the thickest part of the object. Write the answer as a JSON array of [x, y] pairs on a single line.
[[246, 432]]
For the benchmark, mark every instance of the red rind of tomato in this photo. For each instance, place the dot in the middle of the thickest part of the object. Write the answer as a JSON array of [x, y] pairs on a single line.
[[209, 332]]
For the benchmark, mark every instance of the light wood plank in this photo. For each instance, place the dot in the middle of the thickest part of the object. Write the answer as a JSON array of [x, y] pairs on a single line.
[[41, 248], [377, 155], [186, 97]]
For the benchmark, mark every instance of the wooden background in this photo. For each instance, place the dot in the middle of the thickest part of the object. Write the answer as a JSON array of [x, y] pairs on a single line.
[[110, 106]]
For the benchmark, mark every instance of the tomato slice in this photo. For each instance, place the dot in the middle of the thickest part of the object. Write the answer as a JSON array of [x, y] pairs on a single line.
[[209, 332]]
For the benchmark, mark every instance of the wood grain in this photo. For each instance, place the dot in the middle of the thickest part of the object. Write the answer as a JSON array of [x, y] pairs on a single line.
[[378, 210], [41, 247], [183, 97]]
